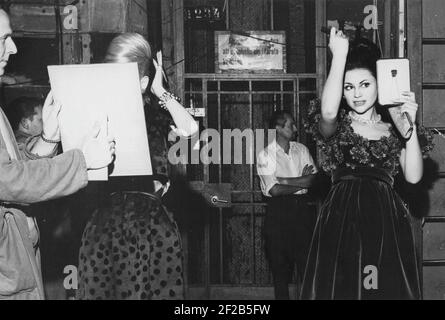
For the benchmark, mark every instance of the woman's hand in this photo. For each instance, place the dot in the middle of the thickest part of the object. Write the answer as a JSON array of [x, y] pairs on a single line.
[[408, 104], [157, 87], [50, 112], [173, 134], [338, 43]]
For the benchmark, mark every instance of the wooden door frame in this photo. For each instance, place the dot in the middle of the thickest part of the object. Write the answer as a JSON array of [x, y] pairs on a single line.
[[415, 56], [173, 52], [320, 44]]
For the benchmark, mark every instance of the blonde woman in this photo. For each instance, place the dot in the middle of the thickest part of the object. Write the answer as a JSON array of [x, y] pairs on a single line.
[[131, 247]]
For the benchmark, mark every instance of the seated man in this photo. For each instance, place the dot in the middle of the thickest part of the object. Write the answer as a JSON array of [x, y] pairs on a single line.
[[286, 171], [25, 116]]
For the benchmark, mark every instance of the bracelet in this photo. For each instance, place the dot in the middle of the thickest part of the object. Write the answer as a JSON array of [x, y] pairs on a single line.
[[47, 140], [165, 98]]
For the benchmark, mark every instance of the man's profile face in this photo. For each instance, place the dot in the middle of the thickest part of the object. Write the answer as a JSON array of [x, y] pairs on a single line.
[[7, 46], [35, 123], [288, 130]]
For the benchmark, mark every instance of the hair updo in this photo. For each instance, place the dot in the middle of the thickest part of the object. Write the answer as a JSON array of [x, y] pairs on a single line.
[[363, 54], [131, 47]]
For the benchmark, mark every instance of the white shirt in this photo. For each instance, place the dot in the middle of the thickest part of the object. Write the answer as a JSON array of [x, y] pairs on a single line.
[[273, 163]]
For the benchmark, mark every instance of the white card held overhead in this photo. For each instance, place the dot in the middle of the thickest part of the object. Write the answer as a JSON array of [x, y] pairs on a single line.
[[111, 95]]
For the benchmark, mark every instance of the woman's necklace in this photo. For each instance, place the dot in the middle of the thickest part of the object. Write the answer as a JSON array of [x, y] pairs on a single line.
[[354, 117]]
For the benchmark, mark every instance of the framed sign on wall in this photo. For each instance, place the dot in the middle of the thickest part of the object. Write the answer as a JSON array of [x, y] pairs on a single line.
[[250, 52]]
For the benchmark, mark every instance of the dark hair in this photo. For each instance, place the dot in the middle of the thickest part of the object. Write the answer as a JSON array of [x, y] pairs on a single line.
[[363, 54], [22, 108], [278, 118]]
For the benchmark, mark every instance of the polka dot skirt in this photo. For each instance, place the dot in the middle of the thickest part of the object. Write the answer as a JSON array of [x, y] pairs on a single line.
[[131, 251]]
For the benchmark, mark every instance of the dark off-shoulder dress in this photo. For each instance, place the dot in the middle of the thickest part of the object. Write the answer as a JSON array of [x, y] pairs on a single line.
[[363, 244]]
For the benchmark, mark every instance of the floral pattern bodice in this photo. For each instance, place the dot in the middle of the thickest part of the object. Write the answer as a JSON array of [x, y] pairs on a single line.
[[348, 149], [158, 127]]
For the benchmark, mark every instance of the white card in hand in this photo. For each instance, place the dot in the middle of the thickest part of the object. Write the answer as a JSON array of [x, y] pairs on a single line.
[[111, 95], [393, 78]]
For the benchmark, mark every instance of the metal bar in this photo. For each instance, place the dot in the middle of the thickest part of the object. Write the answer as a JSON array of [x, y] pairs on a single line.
[[402, 29], [248, 76], [207, 255], [272, 15], [221, 252], [433, 263], [219, 92], [252, 230], [251, 176], [297, 105], [253, 92], [221, 220], [436, 219], [295, 84], [433, 41], [243, 191], [244, 204], [415, 49], [387, 27], [226, 6], [321, 43], [433, 85], [208, 220], [297, 112]]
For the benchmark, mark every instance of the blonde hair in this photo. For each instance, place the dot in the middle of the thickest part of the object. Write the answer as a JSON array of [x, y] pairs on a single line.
[[131, 47]]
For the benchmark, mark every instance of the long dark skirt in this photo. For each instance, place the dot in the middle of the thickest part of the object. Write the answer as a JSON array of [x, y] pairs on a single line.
[[363, 245], [131, 251]]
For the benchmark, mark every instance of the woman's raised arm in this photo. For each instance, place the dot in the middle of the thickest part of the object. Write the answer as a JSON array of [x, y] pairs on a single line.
[[333, 89]]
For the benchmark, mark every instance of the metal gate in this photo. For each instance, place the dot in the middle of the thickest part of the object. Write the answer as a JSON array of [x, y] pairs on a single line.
[[225, 256]]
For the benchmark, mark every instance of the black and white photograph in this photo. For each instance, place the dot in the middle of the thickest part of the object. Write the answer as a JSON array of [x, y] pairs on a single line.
[[232, 152]]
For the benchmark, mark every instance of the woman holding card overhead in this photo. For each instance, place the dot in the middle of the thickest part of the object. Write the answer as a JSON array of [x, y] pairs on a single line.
[[131, 249], [363, 246]]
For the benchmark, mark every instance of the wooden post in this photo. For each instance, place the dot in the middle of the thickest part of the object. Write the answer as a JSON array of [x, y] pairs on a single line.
[[172, 13], [86, 48], [320, 44], [415, 50], [172, 19], [387, 22], [72, 48], [415, 56]]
